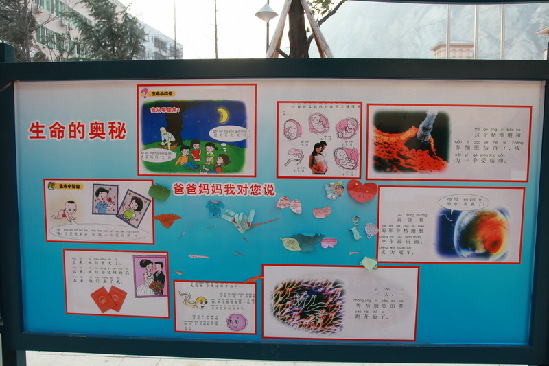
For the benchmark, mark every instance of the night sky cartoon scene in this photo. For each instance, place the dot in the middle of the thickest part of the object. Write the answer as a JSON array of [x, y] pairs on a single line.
[[206, 136]]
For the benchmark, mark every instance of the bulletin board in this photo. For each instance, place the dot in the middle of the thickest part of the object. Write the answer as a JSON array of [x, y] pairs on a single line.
[[280, 217]]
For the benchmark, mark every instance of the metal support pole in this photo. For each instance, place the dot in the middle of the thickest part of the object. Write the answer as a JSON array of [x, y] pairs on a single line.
[[10, 356], [448, 19], [475, 56], [502, 26]]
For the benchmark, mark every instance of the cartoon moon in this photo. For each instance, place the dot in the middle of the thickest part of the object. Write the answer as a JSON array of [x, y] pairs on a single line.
[[223, 115], [291, 244], [236, 322]]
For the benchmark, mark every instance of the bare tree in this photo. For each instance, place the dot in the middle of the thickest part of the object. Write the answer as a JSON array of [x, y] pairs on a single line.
[[299, 42]]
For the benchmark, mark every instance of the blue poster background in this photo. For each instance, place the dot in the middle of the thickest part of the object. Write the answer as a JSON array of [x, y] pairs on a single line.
[[458, 303]]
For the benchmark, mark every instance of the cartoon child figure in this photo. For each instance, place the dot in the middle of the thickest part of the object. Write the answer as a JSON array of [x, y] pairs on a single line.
[[102, 201], [67, 213], [346, 158], [184, 158], [210, 147], [167, 138], [135, 206], [318, 123], [222, 159], [347, 128], [195, 150], [292, 129]]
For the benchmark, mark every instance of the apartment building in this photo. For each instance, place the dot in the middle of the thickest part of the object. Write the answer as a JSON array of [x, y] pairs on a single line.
[[54, 28]]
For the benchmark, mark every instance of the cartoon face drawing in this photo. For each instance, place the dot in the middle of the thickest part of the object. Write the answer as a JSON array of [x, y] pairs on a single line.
[[201, 302], [318, 123], [292, 129], [347, 128], [346, 158], [70, 208], [236, 322]]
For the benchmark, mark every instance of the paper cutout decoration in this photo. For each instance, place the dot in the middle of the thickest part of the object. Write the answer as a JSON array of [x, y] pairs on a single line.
[[322, 213], [215, 208], [356, 234], [253, 279], [194, 256], [369, 263], [236, 252], [159, 192], [179, 273], [167, 220], [241, 221], [102, 299], [265, 222], [294, 205], [334, 190], [291, 244], [307, 243], [354, 229], [361, 192], [328, 243], [118, 296], [371, 230]]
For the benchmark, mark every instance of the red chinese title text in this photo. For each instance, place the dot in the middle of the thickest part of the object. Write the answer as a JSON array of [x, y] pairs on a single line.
[[224, 189], [112, 130]]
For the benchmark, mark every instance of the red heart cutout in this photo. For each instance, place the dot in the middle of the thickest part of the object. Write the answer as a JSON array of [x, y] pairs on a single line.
[[361, 192]]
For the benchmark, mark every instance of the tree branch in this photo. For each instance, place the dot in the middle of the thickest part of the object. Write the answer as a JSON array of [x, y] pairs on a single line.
[[325, 18]]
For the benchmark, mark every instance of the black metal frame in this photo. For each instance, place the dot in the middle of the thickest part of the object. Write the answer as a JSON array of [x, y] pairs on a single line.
[[15, 338]]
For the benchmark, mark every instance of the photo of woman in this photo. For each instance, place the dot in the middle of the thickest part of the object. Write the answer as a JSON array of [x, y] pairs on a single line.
[[317, 161]]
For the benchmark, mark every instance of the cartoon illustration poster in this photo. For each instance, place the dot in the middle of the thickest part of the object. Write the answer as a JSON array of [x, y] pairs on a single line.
[[319, 139], [197, 129], [108, 211], [449, 142], [450, 224], [215, 307], [117, 283], [340, 303]]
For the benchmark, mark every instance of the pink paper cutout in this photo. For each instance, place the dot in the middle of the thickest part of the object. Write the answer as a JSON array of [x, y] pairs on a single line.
[[328, 243], [322, 213]]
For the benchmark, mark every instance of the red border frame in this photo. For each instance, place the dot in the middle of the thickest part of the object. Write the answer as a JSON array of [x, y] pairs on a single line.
[[235, 333], [98, 181], [523, 189], [531, 108], [117, 251], [361, 110], [343, 339], [138, 129]]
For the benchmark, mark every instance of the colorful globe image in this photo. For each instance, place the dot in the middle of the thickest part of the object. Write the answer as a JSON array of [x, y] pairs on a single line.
[[481, 234]]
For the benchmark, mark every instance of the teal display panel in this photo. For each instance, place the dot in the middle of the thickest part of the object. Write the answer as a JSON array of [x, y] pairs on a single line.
[[270, 217]]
